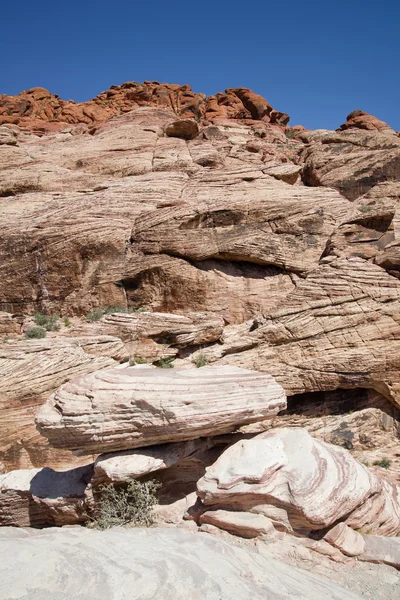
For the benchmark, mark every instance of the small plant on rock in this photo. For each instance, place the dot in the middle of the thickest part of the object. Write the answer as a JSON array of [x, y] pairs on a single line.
[[66, 322], [131, 504], [49, 322], [137, 360], [201, 360], [35, 333], [165, 363], [383, 462], [95, 315]]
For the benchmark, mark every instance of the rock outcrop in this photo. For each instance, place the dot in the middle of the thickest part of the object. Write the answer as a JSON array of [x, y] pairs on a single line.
[[30, 370], [351, 161], [40, 111], [362, 120], [118, 409], [301, 484], [339, 328], [45, 498]]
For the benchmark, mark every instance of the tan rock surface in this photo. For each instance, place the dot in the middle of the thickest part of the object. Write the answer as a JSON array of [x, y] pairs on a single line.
[[347, 540], [379, 549], [243, 524], [131, 464], [339, 328], [351, 161], [243, 216], [164, 563], [118, 409], [30, 370]]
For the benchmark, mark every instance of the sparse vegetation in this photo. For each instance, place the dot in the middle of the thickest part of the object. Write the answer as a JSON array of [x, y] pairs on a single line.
[[165, 363], [95, 315], [137, 360], [364, 208], [48, 322], [35, 333], [131, 504], [201, 360], [66, 322], [383, 462]]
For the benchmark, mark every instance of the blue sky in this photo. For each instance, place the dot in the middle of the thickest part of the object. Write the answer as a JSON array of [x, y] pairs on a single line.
[[315, 60]]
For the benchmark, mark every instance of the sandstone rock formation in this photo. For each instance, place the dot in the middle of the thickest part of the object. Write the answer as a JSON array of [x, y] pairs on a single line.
[[43, 497], [166, 225], [338, 329], [362, 120], [351, 161], [164, 563], [30, 370], [39, 110], [301, 484], [150, 335], [380, 549], [117, 409], [131, 464]]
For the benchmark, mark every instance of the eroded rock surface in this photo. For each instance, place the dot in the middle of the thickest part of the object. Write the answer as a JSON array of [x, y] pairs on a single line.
[[339, 328], [301, 484], [30, 371]]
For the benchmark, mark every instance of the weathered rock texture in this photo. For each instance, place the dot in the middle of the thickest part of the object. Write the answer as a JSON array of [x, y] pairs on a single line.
[[30, 370], [119, 409], [164, 563], [339, 328], [362, 120], [131, 464], [39, 110], [43, 497], [301, 484], [351, 161]]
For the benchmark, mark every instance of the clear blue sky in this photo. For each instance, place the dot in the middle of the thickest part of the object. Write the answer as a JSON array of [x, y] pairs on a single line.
[[315, 60]]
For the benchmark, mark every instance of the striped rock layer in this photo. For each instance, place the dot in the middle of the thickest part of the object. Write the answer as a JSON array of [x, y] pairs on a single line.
[[302, 484], [119, 409]]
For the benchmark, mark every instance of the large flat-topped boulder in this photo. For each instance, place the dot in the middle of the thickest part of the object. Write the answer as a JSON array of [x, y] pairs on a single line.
[[119, 409], [302, 484]]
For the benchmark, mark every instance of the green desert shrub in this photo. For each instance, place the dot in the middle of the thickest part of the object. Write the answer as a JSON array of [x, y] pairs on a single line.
[[201, 360], [165, 363], [95, 315], [49, 322], [131, 504], [383, 462], [137, 360], [35, 332], [66, 322]]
